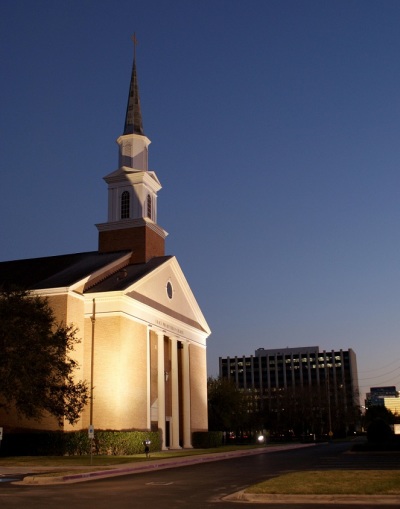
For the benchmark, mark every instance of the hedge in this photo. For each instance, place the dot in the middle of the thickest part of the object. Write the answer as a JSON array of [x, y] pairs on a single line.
[[207, 439], [55, 443]]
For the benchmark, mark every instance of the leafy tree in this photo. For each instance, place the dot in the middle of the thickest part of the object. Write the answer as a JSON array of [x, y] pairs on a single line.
[[226, 405], [378, 412], [36, 372]]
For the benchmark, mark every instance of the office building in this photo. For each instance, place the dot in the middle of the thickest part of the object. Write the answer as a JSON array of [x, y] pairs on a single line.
[[376, 395], [305, 388]]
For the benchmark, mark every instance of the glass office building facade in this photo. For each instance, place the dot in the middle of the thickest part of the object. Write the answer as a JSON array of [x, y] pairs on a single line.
[[297, 381]]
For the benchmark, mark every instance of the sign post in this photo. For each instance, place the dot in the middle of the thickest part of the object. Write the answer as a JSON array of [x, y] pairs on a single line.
[[91, 437]]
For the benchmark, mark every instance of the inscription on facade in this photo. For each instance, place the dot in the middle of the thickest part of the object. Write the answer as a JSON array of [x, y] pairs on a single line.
[[168, 326]]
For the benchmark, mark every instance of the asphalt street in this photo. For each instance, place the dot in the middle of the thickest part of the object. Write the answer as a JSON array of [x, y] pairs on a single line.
[[199, 486]]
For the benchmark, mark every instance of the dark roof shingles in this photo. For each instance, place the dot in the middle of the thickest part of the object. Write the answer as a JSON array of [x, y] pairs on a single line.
[[127, 276], [53, 271]]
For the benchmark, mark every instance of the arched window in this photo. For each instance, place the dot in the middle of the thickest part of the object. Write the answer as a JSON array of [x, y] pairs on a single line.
[[149, 206], [125, 201]]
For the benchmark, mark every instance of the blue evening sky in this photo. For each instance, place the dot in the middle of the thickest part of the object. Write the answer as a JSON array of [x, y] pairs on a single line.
[[275, 135]]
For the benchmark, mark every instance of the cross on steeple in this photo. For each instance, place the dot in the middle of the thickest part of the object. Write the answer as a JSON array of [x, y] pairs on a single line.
[[135, 42]]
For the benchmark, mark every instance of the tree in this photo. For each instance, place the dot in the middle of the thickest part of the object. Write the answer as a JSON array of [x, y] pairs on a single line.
[[226, 405], [36, 371], [375, 412]]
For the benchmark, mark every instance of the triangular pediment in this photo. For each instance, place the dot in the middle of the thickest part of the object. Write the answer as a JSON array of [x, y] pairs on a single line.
[[166, 290]]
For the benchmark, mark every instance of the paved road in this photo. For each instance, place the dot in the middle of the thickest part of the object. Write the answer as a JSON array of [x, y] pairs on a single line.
[[200, 486]]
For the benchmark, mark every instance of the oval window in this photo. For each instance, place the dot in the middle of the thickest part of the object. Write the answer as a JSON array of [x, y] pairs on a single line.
[[169, 289]]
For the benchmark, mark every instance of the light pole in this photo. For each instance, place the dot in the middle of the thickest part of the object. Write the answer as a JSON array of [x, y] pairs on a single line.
[[91, 427]]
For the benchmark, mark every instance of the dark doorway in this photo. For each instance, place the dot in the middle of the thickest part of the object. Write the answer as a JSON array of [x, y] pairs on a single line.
[[167, 434]]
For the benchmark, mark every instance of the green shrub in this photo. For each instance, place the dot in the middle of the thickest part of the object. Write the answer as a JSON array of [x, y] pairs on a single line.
[[119, 443], [207, 439], [76, 443]]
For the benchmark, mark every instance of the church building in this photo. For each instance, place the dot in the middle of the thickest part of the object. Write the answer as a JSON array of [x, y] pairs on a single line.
[[143, 334]]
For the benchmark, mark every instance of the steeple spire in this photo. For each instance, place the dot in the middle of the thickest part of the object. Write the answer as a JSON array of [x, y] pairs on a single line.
[[133, 117], [132, 191]]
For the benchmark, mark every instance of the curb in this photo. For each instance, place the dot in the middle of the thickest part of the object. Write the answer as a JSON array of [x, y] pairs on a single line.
[[241, 496], [159, 465]]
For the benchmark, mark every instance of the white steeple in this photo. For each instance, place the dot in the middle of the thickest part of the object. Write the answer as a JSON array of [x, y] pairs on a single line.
[[132, 189]]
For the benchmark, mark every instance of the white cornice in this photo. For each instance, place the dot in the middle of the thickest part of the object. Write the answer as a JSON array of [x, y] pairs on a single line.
[[184, 287], [51, 292], [119, 304], [139, 137], [124, 224], [134, 177]]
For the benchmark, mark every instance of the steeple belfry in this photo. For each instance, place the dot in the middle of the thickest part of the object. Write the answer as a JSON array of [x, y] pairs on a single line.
[[132, 190]]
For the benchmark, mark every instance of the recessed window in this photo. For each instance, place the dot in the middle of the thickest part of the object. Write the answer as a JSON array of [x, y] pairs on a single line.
[[149, 206], [125, 202]]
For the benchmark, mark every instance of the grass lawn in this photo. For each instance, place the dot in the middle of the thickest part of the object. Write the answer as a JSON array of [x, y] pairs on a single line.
[[103, 460], [332, 482]]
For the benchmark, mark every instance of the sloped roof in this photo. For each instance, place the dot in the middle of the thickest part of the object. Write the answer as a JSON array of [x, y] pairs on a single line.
[[65, 270], [127, 276], [133, 119], [100, 273], [53, 271]]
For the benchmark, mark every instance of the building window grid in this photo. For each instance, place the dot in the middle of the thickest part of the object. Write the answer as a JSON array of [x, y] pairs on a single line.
[[274, 373]]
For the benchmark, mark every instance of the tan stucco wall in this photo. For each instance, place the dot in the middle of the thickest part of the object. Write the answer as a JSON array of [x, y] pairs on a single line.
[[12, 420], [121, 396], [120, 373], [69, 310], [198, 388]]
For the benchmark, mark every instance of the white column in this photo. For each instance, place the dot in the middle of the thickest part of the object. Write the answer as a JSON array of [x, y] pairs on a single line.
[[161, 386], [174, 394], [148, 381], [187, 435]]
